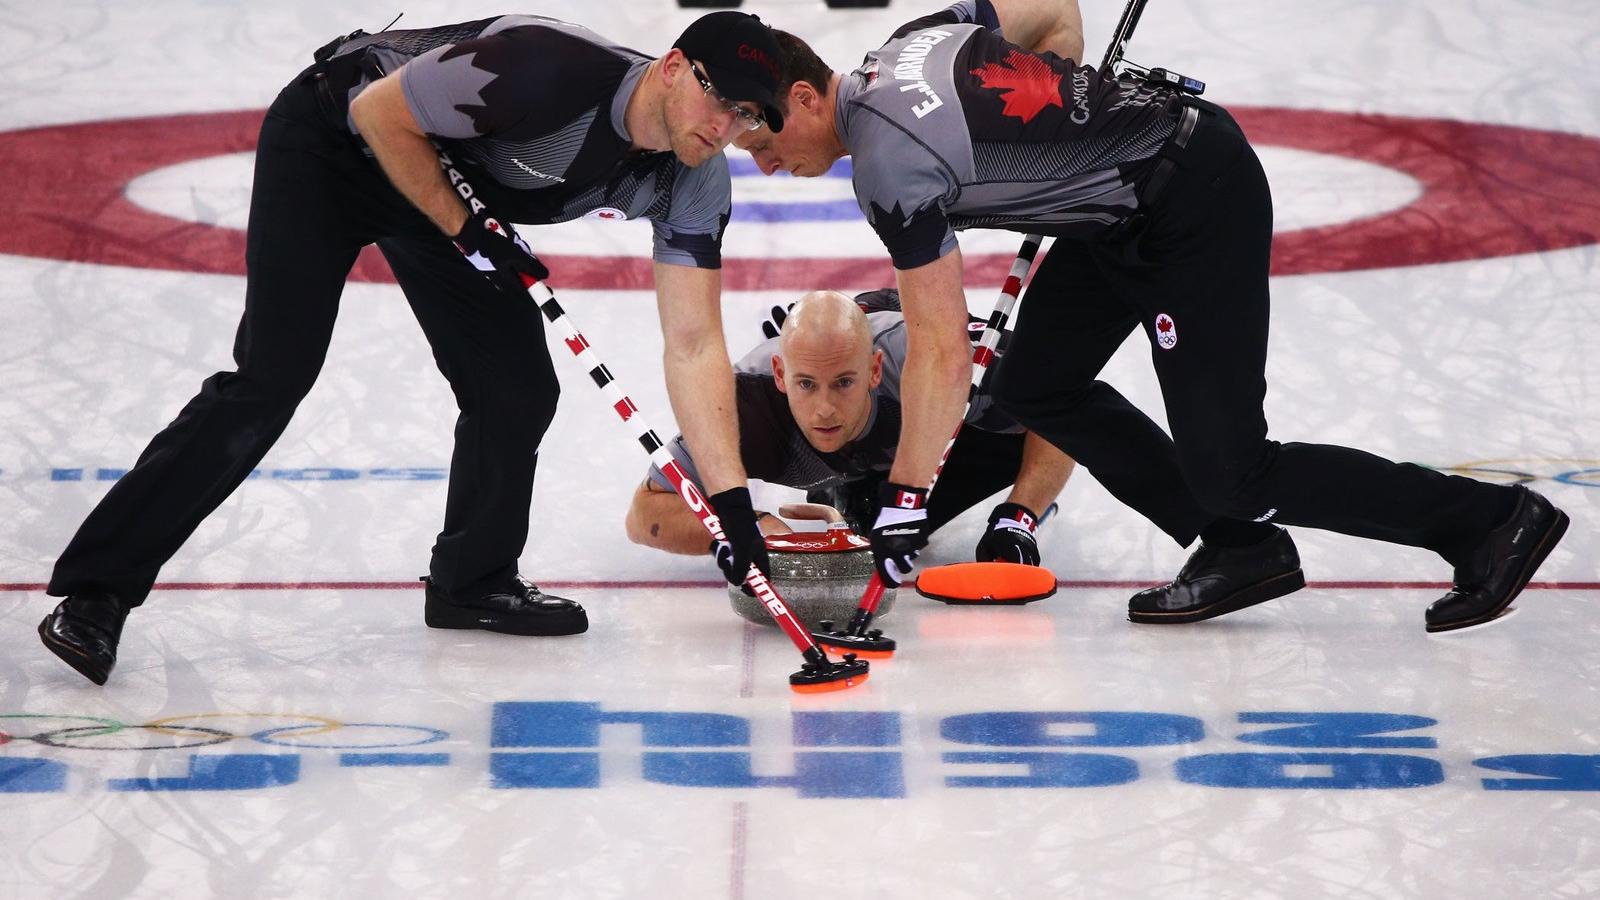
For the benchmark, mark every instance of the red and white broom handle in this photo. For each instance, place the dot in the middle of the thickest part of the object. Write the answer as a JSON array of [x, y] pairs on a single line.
[[981, 357], [652, 444]]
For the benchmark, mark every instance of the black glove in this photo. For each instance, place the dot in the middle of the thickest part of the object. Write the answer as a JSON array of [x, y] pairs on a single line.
[[772, 325], [742, 542], [496, 250], [1010, 537], [900, 532]]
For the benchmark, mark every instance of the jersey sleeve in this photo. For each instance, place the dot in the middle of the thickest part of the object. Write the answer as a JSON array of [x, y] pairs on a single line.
[[902, 189], [690, 232], [444, 89]]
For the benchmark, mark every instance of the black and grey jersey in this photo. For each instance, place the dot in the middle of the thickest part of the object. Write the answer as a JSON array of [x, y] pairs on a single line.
[[773, 446], [534, 108], [949, 126]]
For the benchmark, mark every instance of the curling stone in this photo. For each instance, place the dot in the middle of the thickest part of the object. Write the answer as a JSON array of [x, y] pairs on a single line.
[[819, 574]]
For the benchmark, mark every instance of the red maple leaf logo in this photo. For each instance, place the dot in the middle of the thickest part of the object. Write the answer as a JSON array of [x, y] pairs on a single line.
[[1026, 82], [1163, 324]]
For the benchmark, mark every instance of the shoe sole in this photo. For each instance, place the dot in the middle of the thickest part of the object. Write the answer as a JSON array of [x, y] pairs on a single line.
[[1461, 631], [1260, 592], [70, 655], [1553, 536], [481, 620]]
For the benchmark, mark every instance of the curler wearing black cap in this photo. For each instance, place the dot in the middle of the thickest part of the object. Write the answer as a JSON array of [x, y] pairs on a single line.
[[740, 56]]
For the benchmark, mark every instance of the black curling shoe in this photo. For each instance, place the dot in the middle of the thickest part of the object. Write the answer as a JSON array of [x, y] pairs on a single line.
[[1501, 566], [84, 630], [1219, 580], [518, 608]]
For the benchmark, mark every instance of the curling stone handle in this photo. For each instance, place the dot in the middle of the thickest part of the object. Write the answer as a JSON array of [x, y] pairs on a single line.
[[812, 511]]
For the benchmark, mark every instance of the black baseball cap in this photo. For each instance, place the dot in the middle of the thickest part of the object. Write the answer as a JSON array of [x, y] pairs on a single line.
[[740, 56]]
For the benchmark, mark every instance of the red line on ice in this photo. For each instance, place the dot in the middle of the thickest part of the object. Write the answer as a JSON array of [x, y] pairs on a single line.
[[705, 585]]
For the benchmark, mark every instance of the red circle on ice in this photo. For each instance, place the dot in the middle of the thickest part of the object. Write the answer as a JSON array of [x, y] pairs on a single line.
[[1487, 191]]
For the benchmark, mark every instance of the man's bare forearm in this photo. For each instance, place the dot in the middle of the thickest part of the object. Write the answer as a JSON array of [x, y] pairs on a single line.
[[406, 154], [1044, 472], [938, 366], [698, 374], [660, 519], [700, 386]]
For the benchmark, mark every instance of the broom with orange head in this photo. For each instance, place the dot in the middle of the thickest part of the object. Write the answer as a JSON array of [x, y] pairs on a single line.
[[858, 636], [818, 673]]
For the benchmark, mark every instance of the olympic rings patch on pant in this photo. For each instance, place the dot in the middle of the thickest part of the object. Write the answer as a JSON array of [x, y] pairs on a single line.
[[1166, 331]]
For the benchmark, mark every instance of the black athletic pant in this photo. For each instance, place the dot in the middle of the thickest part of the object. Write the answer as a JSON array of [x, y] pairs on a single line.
[[317, 200], [1199, 258], [981, 464]]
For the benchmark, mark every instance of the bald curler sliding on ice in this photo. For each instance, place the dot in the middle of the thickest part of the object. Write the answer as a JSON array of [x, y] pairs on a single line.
[[819, 410]]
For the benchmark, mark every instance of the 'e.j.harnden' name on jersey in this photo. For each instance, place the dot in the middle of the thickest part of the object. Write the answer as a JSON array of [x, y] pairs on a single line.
[[951, 127]]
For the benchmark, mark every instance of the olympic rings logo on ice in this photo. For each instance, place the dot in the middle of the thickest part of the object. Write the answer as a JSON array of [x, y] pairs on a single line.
[[832, 754], [291, 730], [1528, 470]]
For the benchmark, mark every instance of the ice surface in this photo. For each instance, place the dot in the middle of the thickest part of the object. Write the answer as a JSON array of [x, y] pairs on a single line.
[[349, 751]]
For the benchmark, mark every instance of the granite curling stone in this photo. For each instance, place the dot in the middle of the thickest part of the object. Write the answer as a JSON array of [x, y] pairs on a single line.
[[819, 574]]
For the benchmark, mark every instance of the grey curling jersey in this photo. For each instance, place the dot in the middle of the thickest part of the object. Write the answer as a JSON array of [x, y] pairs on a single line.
[[534, 109], [773, 446], [951, 127]]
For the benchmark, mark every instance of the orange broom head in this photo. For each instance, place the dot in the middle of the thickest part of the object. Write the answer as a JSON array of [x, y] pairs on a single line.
[[987, 583]]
